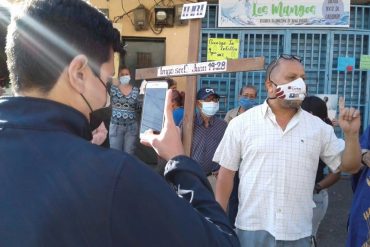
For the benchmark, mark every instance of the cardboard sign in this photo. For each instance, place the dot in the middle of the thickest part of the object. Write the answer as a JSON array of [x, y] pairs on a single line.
[[220, 49], [193, 10]]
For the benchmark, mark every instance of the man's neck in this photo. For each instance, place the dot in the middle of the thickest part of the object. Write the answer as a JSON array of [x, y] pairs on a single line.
[[58, 94], [206, 120], [283, 115], [241, 110]]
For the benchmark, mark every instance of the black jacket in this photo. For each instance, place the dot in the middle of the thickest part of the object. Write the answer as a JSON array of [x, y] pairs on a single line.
[[57, 189]]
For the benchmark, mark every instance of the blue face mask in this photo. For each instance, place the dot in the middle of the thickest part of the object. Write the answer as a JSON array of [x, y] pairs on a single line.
[[246, 103], [124, 79]]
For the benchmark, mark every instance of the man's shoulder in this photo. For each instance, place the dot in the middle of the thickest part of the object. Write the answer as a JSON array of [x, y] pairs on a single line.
[[220, 122], [233, 111], [252, 113], [314, 120]]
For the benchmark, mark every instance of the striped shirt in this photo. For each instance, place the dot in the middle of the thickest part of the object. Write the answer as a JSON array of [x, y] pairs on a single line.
[[205, 142]]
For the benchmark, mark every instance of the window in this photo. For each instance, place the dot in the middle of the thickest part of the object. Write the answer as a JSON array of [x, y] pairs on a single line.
[[144, 53]]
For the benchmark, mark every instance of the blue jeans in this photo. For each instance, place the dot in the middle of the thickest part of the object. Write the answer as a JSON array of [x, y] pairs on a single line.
[[322, 201], [124, 137], [265, 239]]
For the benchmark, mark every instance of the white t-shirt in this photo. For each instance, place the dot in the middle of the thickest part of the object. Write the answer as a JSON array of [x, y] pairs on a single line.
[[277, 169]]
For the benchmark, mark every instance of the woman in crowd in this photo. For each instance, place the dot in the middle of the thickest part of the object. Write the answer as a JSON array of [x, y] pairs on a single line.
[[178, 99], [124, 129], [317, 107]]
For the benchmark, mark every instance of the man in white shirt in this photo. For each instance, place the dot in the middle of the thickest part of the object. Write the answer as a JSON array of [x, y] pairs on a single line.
[[276, 148]]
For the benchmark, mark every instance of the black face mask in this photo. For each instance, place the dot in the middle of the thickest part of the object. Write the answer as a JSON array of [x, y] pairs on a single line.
[[102, 114]]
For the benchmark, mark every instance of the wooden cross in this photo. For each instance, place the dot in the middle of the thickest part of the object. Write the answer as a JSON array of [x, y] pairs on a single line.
[[192, 69]]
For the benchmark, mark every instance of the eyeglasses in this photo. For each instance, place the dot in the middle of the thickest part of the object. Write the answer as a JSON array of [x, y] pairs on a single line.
[[286, 57], [289, 57]]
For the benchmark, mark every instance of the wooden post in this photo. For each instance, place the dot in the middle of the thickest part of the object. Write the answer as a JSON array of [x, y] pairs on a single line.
[[191, 86]]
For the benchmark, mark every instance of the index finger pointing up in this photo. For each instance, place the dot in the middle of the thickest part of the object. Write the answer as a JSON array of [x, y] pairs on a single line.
[[341, 103]]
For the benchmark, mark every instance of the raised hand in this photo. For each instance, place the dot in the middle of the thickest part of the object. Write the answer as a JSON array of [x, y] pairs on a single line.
[[168, 143], [349, 118]]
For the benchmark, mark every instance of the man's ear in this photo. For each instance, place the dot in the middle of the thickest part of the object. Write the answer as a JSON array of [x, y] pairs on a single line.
[[269, 87], [77, 73]]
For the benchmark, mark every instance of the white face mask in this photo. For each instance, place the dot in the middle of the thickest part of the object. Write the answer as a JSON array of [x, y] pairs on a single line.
[[294, 90], [125, 79], [210, 108]]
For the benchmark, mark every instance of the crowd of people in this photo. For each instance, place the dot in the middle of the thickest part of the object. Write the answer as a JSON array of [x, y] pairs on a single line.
[[68, 171]]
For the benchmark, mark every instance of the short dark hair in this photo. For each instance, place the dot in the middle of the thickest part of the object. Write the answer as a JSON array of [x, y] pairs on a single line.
[[247, 86], [171, 82], [317, 107], [178, 97], [122, 67], [274, 63], [48, 34]]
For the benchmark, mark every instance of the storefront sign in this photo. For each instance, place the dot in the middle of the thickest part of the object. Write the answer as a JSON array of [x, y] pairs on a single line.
[[298, 13]]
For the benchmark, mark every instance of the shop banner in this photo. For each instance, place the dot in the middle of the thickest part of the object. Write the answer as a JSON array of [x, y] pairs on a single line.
[[298, 13]]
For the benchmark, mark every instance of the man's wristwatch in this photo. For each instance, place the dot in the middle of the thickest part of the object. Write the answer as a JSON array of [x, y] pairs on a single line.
[[317, 188]]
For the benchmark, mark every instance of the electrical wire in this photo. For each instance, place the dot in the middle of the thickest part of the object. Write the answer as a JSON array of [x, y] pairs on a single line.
[[152, 26], [155, 30], [126, 13]]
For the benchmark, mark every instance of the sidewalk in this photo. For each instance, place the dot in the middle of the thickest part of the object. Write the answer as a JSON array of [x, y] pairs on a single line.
[[332, 231]]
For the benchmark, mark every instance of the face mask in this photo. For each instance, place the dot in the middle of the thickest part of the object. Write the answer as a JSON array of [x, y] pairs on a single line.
[[295, 90], [125, 79], [247, 103], [95, 115], [209, 108]]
